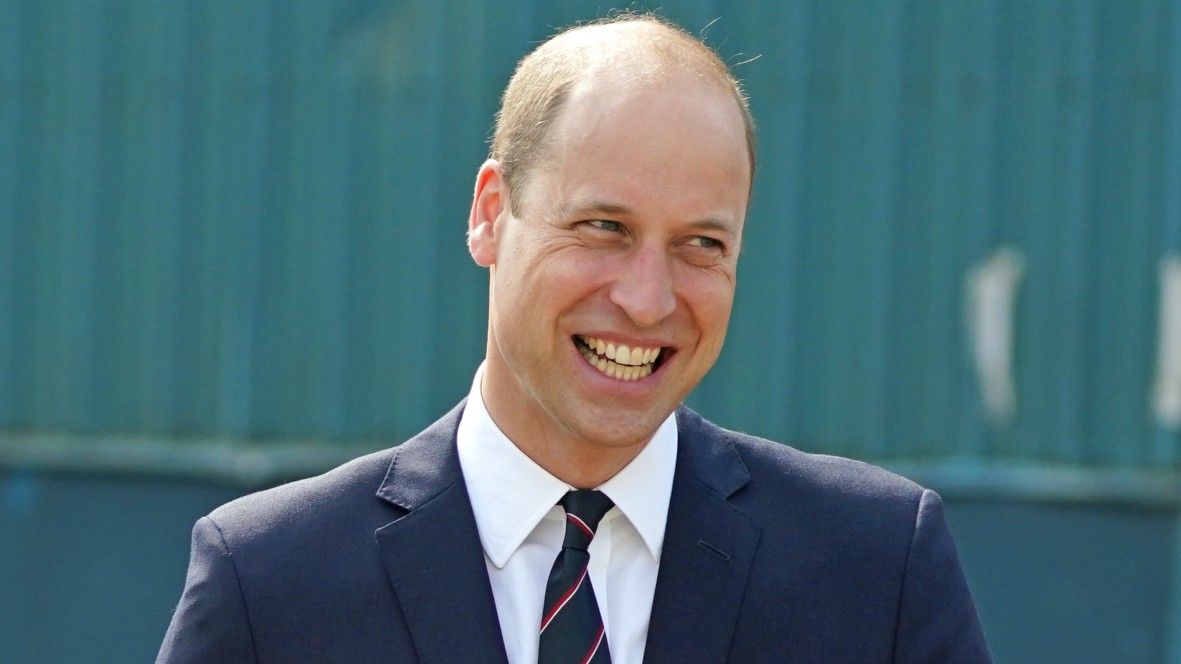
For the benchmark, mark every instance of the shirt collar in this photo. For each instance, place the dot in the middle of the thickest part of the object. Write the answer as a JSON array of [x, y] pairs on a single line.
[[510, 494]]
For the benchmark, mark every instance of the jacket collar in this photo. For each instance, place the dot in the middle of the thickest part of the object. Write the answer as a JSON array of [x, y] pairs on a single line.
[[434, 551], [709, 547]]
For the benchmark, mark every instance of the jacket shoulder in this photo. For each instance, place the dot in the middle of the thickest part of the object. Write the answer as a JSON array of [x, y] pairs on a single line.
[[334, 497], [785, 479], [823, 472]]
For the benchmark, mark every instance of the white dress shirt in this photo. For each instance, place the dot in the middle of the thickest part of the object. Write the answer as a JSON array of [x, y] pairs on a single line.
[[521, 529]]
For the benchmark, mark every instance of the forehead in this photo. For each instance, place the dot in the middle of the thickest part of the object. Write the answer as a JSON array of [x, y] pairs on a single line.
[[676, 136]]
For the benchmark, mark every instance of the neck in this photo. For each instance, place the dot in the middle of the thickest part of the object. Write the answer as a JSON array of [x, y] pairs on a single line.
[[581, 463]]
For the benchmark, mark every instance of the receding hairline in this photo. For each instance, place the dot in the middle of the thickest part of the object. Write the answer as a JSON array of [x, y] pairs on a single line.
[[631, 42], [629, 48], [639, 51]]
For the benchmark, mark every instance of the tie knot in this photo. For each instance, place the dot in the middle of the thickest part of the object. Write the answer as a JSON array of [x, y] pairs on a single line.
[[584, 510]]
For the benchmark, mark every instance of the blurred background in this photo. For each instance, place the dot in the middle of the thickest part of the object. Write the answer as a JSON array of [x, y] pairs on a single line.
[[232, 254]]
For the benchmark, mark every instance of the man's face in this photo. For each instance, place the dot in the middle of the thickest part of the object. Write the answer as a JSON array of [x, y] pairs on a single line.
[[611, 291]]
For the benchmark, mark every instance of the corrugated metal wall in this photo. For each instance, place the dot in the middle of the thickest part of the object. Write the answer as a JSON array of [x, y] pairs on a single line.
[[231, 247], [245, 219]]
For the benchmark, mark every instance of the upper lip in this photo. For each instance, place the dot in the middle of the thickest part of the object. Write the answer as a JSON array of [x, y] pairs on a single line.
[[626, 340]]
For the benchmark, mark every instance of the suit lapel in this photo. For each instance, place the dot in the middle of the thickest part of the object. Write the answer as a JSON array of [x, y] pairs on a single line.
[[432, 555], [708, 548]]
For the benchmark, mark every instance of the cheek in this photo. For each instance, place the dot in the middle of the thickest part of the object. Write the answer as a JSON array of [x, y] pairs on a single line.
[[536, 289], [709, 302], [517, 274]]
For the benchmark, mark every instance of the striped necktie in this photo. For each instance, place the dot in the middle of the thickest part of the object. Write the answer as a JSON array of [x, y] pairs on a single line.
[[572, 630]]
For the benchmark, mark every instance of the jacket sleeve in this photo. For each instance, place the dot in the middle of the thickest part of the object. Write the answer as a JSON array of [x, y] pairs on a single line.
[[937, 619], [210, 623]]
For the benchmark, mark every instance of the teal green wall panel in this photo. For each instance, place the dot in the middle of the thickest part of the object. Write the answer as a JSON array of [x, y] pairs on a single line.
[[1045, 586], [91, 568], [1168, 443], [10, 110], [246, 220], [232, 249]]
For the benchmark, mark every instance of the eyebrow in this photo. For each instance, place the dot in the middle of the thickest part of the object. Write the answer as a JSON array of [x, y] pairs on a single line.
[[618, 209], [712, 224], [593, 207]]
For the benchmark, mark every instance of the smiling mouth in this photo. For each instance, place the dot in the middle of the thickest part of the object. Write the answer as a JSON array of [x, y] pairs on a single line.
[[620, 362]]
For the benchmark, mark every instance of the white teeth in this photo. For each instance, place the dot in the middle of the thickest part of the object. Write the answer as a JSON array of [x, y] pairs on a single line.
[[621, 362]]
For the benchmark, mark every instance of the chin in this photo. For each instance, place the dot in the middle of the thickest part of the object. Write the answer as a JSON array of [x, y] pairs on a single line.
[[621, 431]]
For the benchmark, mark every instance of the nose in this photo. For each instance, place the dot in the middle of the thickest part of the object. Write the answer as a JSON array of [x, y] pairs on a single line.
[[644, 286]]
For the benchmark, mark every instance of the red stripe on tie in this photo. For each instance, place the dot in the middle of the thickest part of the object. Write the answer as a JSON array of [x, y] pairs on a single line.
[[581, 524], [595, 647], [549, 617]]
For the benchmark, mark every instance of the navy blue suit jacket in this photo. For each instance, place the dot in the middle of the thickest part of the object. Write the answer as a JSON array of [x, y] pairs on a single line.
[[770, 555]]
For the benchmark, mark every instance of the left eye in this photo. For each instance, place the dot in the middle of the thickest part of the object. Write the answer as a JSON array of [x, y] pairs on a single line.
[[705, 242], [606, 225]]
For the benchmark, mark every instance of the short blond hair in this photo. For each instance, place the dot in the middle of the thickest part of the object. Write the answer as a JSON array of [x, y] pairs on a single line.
[[643, 46]]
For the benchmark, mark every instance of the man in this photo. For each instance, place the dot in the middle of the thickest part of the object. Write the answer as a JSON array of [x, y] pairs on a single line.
[[570, 507]]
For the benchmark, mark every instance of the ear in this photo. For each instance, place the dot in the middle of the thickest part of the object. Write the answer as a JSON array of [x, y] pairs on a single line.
[[489, 202]]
